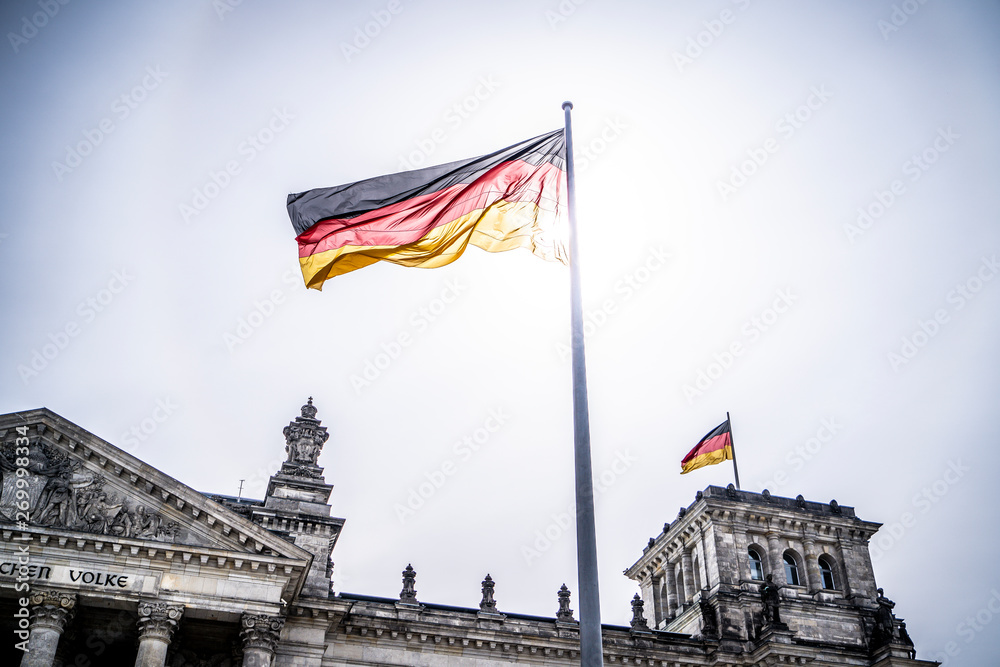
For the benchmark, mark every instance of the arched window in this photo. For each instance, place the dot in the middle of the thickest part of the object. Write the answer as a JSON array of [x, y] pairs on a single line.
[[756, 565], [791, 570], [826, 572]]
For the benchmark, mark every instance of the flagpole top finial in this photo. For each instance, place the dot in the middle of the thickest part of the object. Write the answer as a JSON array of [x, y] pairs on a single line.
[[567, 105]]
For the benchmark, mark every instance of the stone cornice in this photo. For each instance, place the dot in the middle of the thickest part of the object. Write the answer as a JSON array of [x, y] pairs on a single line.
[[789, 518], [524, 639]]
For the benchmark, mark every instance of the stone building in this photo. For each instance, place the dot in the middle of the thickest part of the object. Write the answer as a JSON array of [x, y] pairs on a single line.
[[107, 561]]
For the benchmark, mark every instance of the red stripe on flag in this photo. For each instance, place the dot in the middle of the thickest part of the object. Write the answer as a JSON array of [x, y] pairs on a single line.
[[410, 220]]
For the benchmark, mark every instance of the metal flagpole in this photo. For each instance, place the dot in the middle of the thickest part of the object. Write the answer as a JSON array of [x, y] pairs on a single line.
[[732, 446], [591, 646]]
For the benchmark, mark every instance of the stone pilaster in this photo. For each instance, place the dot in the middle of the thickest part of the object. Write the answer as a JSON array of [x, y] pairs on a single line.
[[668, 571], [774, 558], [51, 611], [688, 574], [157, 623], [259, 635], [814, 580]]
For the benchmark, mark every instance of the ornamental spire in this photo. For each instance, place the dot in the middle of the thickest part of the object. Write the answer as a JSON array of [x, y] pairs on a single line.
[[304, 440]]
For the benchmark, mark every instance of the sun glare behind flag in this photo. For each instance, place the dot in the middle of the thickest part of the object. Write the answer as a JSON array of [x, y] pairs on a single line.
[[513, 198], [715, 447]]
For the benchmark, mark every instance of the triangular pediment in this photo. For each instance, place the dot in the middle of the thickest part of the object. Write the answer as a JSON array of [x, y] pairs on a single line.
[[72, 480]]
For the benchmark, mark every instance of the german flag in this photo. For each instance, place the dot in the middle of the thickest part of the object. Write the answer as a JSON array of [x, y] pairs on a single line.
[[715, 447], [513, 198]]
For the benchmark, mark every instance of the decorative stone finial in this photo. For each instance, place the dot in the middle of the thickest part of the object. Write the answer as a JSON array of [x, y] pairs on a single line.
[[651, 542], [488, 604], [800, 501], [666, 527], [304, 439], [638, 620], [564, 614], [409, 593]]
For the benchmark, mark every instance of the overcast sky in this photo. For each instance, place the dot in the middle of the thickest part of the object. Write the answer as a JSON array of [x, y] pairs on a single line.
[[812, 185]]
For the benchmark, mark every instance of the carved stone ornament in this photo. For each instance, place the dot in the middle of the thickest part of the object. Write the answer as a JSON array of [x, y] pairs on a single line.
[[885, 621], [638, 619], [159, 619], [800, 501], [62, 493], [731, 492], [488, 604], [51, 609], [409, 593], [260, 631], [771, 599], [304, 440], [564, 614]]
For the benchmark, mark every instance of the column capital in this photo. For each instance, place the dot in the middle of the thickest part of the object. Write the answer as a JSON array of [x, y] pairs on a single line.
[[158, 620], [51, 609], [260, 631]]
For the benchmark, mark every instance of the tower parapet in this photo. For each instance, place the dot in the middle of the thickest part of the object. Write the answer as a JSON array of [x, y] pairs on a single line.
[[738, 557]]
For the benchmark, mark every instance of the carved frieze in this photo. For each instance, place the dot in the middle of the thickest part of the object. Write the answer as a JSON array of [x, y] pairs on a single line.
[[58, 491]]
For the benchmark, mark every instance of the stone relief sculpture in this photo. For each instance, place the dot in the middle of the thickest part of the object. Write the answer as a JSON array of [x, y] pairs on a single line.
[[771, 599], [304, 440], [61, 493]]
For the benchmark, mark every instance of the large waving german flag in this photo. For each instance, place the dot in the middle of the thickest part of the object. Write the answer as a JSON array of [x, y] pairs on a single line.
[[513, 198], [715, 447]]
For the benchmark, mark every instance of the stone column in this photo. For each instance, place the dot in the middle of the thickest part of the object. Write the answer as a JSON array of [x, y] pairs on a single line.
[[668, 573], [259, 634], [774, 558], [814, 580], [50, 612], [157, 622], [688, 573]]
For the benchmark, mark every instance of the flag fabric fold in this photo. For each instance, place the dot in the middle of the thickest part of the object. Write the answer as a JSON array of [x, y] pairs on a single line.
[[715, 447], [512, 198]]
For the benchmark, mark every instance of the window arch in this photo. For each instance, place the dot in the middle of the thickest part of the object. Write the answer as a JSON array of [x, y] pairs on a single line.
[[791, 569], [756, 564], [826, 570]]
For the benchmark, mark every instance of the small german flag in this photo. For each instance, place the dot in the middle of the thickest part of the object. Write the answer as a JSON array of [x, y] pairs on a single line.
[[513, 198], [715, 447]]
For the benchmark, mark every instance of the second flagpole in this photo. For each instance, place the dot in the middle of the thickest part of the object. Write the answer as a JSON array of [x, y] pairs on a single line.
[[591, 644]]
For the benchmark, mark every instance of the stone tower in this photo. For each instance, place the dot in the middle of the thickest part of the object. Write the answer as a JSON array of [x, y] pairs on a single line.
[[749, 569], [296, 505]]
